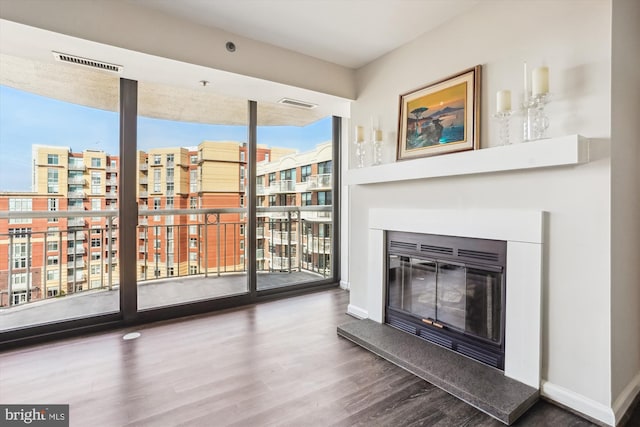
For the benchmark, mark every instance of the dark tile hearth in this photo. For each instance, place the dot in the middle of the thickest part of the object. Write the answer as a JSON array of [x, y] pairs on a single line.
[[481, 386]]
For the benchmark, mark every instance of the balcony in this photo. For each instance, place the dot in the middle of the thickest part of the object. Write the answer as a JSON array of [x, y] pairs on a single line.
[[75, 208], [261, 190], [143, 221], [77, 250], [320, 245], [76, 222], [77, 235], [143, 194], [77, 167], [143, 180], [260, 232], [112, 182], [284, 237], [316, 182], [144, 166], [77, 264], [112, 169], [284, 186], [78, 277], [111, 195], [168, 275], [77, 195], [76, 181]]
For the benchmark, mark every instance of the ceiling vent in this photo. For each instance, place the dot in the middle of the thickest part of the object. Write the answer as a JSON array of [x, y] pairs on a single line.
[[86, 62], [296, 103]]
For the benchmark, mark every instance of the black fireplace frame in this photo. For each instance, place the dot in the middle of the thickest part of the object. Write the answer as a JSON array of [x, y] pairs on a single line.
[[474, 253]]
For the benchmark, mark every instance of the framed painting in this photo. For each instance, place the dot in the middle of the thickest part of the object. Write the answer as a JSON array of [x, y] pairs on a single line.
[[440, 118]]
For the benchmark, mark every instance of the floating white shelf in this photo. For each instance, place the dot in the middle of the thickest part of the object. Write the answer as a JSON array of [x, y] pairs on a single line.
[[566, 150]]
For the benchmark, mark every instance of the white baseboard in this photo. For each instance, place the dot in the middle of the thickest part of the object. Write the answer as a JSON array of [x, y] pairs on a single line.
[[357, 312], [345, 285], [577, 402], [627, 396]]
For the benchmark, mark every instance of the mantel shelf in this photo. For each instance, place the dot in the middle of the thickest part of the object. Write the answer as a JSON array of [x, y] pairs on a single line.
[[562, 151]]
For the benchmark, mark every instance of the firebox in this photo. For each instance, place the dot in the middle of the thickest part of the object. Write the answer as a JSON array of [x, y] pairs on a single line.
[[448, 290]]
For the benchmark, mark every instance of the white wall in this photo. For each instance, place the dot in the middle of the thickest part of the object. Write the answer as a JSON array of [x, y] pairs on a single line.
[[625, 198], [573, 39]]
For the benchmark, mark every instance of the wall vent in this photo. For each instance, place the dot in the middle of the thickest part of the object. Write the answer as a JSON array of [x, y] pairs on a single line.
[[86, 62], [296, 103]]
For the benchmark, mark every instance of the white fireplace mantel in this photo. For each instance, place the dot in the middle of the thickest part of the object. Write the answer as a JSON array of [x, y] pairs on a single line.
[[523, 232], [544, 153]]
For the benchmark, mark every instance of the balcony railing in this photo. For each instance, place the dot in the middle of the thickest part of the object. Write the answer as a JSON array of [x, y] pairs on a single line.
[[77, 180], [112, 181], [112, 169], [284, 186], [315, 182], [75, 208], [76, 195], [214, 245], [143, 180], [144, 166], [77, 167], [143, 194], [111, 195]]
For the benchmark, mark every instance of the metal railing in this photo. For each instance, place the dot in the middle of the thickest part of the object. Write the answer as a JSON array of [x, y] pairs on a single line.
[[173, 243]]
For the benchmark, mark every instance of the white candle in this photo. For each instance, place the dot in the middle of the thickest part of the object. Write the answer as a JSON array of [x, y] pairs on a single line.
[[378, 135], [540, 81], [359, 134], [503, 101]]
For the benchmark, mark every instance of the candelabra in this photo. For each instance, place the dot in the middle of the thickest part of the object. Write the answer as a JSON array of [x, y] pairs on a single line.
[[503, 126]]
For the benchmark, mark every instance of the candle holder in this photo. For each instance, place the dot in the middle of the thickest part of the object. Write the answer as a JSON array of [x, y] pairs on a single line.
[[503, 118], [540, 121], [360, 154], [377, 152], [528, 115]]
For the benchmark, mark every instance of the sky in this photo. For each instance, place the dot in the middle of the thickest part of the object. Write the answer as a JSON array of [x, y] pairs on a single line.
[[27, 119]]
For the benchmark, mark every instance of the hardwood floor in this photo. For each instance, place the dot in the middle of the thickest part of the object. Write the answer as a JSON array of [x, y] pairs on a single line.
[[277, 363]]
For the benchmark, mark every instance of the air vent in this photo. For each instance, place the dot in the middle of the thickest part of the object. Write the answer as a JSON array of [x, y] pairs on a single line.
[[480, 355], [484, 256], [436, 338], [407, 246], [296, 103], [86, 62], [436, 249], [402, 325]]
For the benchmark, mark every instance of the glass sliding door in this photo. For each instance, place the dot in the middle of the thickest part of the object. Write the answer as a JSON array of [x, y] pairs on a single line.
[[294, 189], [59, 191], [191, 184]]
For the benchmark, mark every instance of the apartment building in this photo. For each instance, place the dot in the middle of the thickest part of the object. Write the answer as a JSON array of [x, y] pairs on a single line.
[[295, 239], [74, 253]]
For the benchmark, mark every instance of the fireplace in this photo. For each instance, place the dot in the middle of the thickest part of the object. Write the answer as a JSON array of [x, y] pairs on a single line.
[[448, 290]]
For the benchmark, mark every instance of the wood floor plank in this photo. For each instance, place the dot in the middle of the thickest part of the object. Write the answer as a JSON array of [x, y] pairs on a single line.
[[274, 364]]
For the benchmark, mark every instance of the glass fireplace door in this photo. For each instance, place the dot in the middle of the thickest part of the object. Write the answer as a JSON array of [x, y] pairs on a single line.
[[447, 295]]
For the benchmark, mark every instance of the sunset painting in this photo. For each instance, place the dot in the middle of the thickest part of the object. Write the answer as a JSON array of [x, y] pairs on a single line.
[[441, 117]]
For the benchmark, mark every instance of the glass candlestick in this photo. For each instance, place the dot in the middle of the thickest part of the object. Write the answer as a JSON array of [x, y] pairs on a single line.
[[528, 115], [377, 152], [540, 120], [360, 154], [503, 118]]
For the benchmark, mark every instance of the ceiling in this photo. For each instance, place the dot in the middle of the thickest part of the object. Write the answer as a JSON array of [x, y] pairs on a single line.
[[350, 33]]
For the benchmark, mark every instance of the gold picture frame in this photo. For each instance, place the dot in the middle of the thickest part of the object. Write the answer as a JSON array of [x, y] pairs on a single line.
[[440, 118]]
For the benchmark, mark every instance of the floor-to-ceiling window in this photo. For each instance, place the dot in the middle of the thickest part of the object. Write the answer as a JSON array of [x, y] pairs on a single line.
[[59, 187], [294, 234], [198, 174]]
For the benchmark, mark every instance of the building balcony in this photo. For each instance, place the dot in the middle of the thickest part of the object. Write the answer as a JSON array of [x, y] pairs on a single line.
[[112, 182], [76, 195], [316, 182], [143, 194], [144, 166], [279, 263], [77, 250], [143, 236], [259, 254], [285, 186], [111, 195], [284, 237], [76, 181], [261, 190], [142, 249], [75, 208], [143, 221], [76, 222], [320, 245], [112, 169], [260, 232], [76, 167], [78, 277], [77, 264], [143, 181], [77, 235]]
